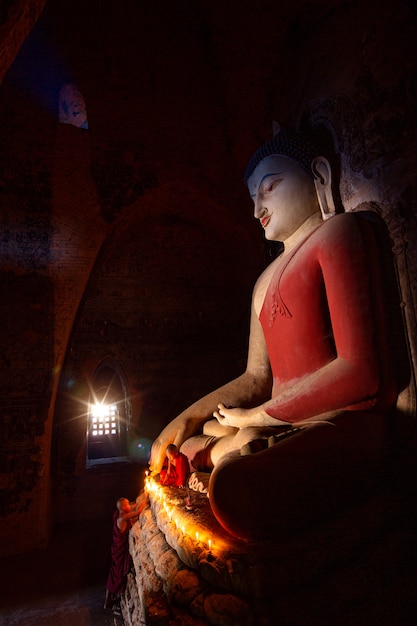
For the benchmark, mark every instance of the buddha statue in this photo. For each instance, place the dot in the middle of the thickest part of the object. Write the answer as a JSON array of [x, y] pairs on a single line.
[[305, 429]]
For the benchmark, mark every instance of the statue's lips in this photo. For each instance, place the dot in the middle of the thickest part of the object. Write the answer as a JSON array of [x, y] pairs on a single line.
[[265, 220]]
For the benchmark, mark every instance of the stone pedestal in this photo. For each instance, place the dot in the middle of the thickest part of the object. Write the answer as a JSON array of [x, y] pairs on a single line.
[[333, 572], [187, 570]]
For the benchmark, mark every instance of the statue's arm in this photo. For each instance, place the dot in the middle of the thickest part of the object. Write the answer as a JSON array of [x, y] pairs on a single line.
[[249, 389]]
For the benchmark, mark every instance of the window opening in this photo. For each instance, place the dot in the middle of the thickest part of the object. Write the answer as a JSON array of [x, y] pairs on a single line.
[[104, 420], [108, 418]]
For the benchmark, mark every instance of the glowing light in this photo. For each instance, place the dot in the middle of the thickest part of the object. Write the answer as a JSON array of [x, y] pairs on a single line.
[[140, 449], [176, 516], [103, 419], [99, 410]]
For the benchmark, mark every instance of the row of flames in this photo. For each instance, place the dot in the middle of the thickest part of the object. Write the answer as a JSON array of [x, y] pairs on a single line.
[[174, 515]]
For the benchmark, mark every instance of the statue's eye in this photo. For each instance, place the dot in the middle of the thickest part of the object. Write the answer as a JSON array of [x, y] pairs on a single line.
[[270, 186], [270, 182]]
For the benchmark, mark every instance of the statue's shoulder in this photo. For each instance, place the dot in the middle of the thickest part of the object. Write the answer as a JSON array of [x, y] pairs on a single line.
[[341, 235], [343, 225]]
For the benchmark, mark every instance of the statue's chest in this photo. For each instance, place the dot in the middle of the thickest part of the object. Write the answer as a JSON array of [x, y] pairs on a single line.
[[296, 288]]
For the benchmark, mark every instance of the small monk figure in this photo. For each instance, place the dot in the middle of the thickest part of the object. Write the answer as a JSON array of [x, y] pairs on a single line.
[[305, 429], [120, 557], [178, 470]]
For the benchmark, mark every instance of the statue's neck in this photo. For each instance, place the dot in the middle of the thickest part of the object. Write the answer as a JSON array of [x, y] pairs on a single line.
[[302, 232]]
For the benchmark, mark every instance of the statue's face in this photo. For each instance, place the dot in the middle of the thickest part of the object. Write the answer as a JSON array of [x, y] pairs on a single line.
[[284, 196], [72, 108]]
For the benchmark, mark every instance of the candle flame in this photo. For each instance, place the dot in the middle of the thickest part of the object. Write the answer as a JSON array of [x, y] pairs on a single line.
[[175, 515]]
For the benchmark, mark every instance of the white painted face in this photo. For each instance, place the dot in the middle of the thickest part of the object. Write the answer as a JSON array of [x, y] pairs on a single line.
[[72, 108], [284, 196]]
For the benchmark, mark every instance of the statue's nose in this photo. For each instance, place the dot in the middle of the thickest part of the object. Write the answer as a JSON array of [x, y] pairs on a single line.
[[259, 208]]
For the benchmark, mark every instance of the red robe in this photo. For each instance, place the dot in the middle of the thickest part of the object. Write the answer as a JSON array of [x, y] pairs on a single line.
[[329, 340], [322, 319], [120, 558], [179, 472]]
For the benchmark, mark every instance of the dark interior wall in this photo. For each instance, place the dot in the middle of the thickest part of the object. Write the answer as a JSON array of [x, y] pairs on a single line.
[[169, 300], [134, 238], [168, 294]]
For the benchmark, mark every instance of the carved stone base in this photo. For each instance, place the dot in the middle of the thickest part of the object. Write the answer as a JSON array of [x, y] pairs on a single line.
[[346, 571]]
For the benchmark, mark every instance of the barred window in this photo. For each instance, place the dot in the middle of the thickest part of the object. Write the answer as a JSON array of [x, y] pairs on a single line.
[[104, 420], [108, 416]]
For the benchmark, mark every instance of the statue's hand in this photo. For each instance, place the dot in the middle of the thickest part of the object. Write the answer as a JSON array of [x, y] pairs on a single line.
[[158, 451], [175, 432], [236, 417], [245, 418]]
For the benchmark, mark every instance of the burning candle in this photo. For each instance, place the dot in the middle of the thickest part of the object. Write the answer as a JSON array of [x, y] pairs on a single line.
[[210, 543], [196, 535]]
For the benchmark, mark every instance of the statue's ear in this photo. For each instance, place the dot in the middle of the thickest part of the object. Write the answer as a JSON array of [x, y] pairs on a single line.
[[323, 182]]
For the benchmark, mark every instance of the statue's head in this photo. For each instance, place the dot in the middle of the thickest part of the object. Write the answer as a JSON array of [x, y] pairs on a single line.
[[288, 175], [288, 144]]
